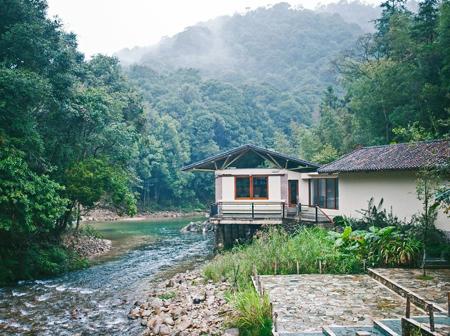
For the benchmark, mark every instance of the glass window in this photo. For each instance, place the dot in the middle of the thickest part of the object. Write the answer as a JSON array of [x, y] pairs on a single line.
[[260, 187], [330, 183], [243, 187], [324, 193], [293, 192], [252, 187]]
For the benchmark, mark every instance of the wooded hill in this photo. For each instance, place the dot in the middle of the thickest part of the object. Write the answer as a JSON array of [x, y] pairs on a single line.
[[75, 133]]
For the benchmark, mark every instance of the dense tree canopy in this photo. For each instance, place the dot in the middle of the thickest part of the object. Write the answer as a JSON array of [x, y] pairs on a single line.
[[75, 134], [68, 132]]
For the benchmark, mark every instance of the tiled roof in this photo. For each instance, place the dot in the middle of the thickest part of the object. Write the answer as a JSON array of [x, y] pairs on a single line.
[[404, 156]]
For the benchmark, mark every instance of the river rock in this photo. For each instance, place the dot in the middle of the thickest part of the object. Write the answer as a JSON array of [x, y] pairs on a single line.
[[178, 315], [156, 303], [198, 227], [164, 330], [134, 313], [231, 332]]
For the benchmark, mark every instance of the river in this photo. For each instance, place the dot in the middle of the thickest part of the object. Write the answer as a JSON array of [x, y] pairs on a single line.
[[95, 301]]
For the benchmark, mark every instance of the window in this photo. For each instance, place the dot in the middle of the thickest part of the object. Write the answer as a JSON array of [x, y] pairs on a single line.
[[252, 187], [293, 192], [324, 192], [242, 187]]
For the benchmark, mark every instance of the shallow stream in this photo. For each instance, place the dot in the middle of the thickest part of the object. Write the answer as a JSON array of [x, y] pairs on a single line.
[[95, 301]]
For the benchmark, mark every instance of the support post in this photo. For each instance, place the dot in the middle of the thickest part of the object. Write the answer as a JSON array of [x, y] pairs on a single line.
[[275, 322], [317, 214], [431, 315], [298, 268], [448, 304], [405, 327], [284, 205], [253, 210], [408, 306]]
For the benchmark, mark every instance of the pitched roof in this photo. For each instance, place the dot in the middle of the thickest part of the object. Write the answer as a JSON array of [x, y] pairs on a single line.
[[403, 156], [250, 156]]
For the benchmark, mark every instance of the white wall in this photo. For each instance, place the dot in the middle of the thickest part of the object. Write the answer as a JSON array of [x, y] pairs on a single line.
[[226, 178], [398, 190]]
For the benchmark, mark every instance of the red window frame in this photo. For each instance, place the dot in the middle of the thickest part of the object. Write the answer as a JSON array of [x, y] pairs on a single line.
[[250, 177]]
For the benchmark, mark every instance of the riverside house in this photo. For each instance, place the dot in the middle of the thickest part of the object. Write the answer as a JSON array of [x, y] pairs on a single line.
[[254, 185]]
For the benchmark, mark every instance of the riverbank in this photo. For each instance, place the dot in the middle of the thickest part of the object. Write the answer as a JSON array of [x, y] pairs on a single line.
[[105, 215], [97, 299], [185, 304], [86, 246]]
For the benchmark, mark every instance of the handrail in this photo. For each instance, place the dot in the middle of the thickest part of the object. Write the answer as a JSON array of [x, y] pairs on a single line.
[[323, 212], [253, 206]]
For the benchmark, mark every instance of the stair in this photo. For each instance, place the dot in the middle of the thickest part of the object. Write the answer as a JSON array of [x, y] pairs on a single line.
[[308, 215]]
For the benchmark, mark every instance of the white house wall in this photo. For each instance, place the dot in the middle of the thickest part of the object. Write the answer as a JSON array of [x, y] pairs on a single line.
[[278, 189], [225, 181], [397, 189]]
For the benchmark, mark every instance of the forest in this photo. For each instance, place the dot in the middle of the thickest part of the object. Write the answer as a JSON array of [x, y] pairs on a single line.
[[78, 133]]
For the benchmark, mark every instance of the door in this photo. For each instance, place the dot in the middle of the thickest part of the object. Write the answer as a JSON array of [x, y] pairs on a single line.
[[293, 192]]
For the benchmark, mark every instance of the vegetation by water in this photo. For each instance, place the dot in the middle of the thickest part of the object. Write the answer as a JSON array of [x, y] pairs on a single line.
[[377, 239]]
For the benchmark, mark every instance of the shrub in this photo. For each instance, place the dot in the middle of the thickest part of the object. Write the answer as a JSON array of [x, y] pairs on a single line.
[[306, 247], [379, 246], [253, 314], [37, 261]]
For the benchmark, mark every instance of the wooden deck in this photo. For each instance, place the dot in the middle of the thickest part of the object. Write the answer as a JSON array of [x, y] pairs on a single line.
[[265, 213]]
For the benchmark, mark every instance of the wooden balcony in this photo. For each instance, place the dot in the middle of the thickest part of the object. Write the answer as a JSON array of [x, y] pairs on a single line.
[[264, 213]]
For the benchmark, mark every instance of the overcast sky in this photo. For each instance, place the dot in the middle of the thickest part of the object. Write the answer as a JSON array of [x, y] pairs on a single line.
[[106, 26]]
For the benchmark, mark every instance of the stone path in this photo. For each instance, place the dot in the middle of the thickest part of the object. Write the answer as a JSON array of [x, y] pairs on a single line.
[[305, 303], [434, 290]]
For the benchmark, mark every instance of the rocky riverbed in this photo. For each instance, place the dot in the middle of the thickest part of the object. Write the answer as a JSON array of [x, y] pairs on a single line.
[[186, 304], [87, 246], [198, 227], [106, 215]]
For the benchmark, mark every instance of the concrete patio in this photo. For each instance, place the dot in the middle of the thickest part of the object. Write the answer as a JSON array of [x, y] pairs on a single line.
[[434, 290], [306, 303]]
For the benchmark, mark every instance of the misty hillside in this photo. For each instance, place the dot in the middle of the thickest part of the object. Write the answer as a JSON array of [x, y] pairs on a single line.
[[353, 12], [288, 48]]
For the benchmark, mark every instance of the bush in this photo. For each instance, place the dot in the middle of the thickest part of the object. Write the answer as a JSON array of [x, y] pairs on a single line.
[[253, 313], [386, 246], [37, 261], [373, 216], [306, 247]]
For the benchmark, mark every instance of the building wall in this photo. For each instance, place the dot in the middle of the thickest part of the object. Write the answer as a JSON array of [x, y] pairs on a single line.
[[278, 189], [397, 189], [227, 183]]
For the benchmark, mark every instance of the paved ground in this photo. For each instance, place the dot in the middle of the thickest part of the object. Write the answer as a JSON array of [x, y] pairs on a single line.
[[442, 324], [434, 290], [309, 301]]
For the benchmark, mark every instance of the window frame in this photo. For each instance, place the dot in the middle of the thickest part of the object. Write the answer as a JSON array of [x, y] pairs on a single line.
[[314, 188], [250, 177]]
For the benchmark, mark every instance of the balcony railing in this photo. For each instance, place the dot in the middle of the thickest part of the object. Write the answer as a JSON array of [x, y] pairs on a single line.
[[253, 210]]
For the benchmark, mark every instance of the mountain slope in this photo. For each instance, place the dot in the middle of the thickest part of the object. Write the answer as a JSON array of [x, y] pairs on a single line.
[[288, 48]]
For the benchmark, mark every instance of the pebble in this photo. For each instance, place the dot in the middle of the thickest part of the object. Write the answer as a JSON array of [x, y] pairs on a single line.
[[195, 307]]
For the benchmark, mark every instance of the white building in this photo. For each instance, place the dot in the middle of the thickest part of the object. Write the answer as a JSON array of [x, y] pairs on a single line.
[[256, 185]]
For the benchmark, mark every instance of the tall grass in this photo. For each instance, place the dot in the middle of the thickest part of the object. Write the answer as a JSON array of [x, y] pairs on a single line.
[[253, 313], [277, 251]]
